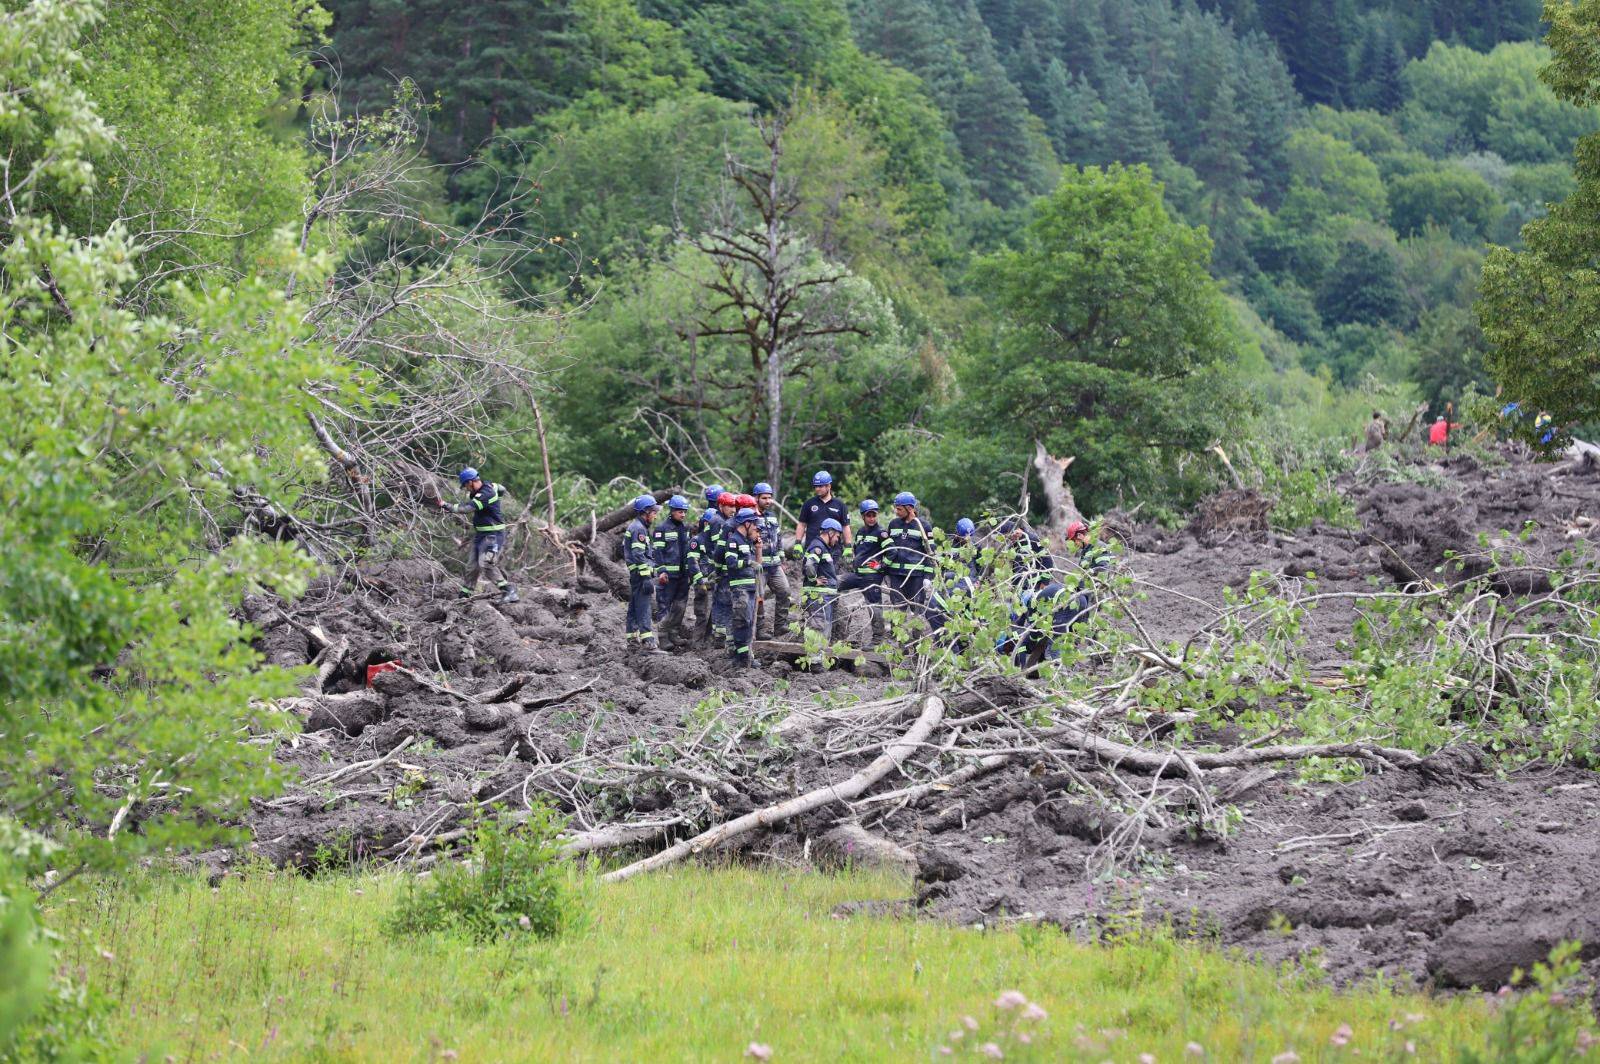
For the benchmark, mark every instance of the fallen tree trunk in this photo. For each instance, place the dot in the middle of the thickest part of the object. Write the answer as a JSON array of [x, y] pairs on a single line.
[[881, 766], [605, 523], [1062, 506]]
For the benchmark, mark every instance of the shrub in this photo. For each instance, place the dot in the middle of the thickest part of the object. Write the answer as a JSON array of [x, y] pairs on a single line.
[[1550, 1022], [515, 882]]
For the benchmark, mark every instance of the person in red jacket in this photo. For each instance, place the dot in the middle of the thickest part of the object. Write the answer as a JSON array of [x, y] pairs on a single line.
[[1439, 432]]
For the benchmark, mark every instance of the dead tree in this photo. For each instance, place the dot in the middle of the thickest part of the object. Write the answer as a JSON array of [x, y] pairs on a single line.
[[1058, 497], [765, 284]]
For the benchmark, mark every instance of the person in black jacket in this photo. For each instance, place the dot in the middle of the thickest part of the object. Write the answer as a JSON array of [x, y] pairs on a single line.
[[641, 574], [671, 546], [738, 567], [868, 557], [488, 533]]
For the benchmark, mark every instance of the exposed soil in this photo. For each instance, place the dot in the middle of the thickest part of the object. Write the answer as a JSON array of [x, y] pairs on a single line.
[[1445, 873]]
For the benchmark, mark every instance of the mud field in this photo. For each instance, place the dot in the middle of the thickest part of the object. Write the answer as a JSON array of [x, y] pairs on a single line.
[[1440, 872]]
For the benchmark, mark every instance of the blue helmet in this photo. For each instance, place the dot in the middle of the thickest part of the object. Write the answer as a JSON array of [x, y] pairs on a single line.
[[677, 502], [643, 503], [905, 498], [830, 525], [821, 477], [744, 515], [761, 488], [709, 516], [965, 527], [712, 491], [869, 506], [468, 475]]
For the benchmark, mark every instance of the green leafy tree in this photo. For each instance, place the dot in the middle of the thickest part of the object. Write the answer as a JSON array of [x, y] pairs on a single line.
[[125, 678], [1363, 287], [1540, 307], [1451, 197], [1113, 339]]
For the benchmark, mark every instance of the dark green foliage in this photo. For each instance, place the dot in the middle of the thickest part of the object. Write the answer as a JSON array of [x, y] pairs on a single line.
[[1362, 288], [1450, 197], [513, 882], [1112, 339]]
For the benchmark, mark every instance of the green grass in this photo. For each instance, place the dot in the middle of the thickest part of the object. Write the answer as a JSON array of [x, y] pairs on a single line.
[[685, 965]]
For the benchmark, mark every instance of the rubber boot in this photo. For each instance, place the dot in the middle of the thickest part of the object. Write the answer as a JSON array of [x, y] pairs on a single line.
[[509, 594]]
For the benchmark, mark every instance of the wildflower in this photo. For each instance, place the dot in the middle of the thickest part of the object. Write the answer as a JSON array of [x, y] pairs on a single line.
[[448, 1054], [992, 1051], [1396, 1025], [1415, 1017], [957, 1035], [1034, 1012], [945, 1051], [524, 923], [1342, 1036], [1288, 1056], [1010, 999], [1194, 1049], [1504, 991], [1025, 1038], [1585, 1039], [758, 1051], [1411, 1047], [969, 1023], [1147, 1058]]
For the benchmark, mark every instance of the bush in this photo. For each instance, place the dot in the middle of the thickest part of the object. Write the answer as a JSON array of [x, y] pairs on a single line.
[[1550, 1022], [514, 882]]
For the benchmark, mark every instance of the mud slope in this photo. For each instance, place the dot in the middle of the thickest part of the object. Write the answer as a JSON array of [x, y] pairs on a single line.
[[1443, 872]]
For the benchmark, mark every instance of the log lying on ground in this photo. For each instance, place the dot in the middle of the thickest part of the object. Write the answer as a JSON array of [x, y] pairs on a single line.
[[891, 758], [777, 648], [582, 533]]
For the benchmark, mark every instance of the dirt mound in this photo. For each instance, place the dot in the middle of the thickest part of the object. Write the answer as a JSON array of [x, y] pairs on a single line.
[[1439, 870]]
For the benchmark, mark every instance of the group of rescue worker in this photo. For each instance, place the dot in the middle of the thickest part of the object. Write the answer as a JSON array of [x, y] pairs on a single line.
[[728, 564]]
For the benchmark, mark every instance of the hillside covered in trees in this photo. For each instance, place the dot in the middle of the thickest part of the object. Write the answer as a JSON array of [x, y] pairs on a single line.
[[1348, 161]]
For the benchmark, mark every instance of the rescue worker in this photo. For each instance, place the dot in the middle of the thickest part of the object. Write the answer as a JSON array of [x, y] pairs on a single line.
[[721, 600], [1545, 426], [1031, 560], [738, 566], [488, 533], [956, 579], [1439, 432], [818, 508], [671, 546], [702, 570], [1031, 642], [910, 555], [641, 574], [820, 590], [776, 594], [868, 561], [1094, 561]]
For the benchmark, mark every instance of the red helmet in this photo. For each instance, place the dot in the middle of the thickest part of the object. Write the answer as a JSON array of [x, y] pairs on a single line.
[[747, 502], [1076, 529], [727, 498]]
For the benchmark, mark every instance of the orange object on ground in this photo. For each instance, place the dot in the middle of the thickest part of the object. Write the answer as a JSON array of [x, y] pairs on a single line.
[[382, 666]]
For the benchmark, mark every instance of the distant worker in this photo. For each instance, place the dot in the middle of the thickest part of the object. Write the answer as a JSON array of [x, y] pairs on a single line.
[[1094, 561], [703, 574], [956, 578], [776, 594], [820, 590], [1439, 432], [1042, 617], [1377, 432], [1545, 426], [910, 561], [641, 574], [1032, 565], [738, 565], [870, 553], [671, 546], [819, 507], [488, 533], [721, 599]]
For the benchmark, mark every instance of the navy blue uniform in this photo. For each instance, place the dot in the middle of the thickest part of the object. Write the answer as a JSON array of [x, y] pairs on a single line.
[[821, 588], [488, 535], [1033, 563], [1032, 639], [869, 555], [721, 599], [671, 546], [702, 575], [774, 614], [641, 581], [738, 565], [910, 561]]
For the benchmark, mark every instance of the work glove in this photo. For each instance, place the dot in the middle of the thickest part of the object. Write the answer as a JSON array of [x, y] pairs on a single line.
[[796, 550]]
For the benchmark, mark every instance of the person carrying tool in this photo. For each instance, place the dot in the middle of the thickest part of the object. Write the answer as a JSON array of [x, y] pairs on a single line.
[[488, 533], [641, 574], [776, 594], [868, 559], [671, 547], [910, 561], [738, 565], [820, 590]]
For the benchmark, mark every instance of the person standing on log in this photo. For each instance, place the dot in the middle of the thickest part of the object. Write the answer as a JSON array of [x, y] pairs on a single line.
[[739, 571], [641, 574], [821, 588], [910, 561], [488, 533], [776, 596], [670, 546], [870, 552]]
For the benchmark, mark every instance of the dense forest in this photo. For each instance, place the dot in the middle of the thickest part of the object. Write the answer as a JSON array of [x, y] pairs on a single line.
[[1349, 162]]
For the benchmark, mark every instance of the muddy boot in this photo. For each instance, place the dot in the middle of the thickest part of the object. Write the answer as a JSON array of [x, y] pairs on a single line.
[[648, 645], [509, 594]]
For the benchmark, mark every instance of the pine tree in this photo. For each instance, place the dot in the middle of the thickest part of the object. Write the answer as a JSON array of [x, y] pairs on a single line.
[[1133, 132], [1379, 63], [1311, 36], [1078, 116]]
